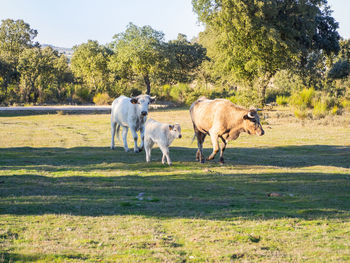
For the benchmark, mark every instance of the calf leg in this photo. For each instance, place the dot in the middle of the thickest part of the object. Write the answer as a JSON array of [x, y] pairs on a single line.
[[113, 124], [148, 147], [165, 151], [124, 135]]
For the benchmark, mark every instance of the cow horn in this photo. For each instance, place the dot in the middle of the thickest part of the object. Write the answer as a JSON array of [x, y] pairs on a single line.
[[250, 115]]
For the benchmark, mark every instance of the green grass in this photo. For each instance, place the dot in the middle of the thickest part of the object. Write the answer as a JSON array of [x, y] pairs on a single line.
[[66, 197]]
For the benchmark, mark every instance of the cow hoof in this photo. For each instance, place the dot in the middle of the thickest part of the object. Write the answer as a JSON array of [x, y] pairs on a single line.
[[140, 149], [202, 161], [126, 150], [112, 148]]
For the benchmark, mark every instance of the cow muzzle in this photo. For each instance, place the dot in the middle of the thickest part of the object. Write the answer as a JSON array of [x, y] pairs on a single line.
[[144, 113], [180, 136]]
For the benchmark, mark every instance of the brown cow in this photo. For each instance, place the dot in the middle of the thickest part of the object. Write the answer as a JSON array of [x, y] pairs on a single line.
[[222, 119]]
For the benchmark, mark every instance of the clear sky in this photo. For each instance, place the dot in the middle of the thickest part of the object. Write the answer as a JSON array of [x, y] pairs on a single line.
[[66, 23]]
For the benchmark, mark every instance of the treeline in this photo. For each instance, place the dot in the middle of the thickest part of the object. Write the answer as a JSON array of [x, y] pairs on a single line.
[[252, 52], [134, 62]]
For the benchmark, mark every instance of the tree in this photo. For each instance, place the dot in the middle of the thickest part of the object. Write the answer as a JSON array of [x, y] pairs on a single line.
[[15, 36], [89, 63], [137, 51], [183, 58], [41, 70], [254, 39]]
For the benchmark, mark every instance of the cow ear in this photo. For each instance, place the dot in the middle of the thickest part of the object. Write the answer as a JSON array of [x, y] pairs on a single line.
[[153, 99], [133, 100], [171, 127]]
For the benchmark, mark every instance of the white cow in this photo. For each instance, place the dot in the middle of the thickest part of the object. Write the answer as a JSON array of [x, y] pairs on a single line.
[[130, 113], [163, 134]]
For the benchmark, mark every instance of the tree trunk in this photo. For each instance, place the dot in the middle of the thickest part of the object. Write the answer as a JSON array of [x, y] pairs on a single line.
[[263, 84], [148, 84]]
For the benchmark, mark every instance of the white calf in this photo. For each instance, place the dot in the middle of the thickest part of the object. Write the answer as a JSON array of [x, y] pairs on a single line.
[[130, 113], [163, 134]]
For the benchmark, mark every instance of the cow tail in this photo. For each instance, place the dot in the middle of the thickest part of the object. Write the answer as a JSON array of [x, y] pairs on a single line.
[[117, 131], [194, 136]]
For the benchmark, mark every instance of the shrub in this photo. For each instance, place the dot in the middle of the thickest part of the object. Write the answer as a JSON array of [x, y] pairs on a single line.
[[102, 99], [300, 114], [282, 100], [178, 92], [82, 94], [320, 109], [335, 110], [303, 99], [346, 104]]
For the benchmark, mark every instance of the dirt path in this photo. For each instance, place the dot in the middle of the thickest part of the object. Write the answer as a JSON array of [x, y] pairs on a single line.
[[67, 108]]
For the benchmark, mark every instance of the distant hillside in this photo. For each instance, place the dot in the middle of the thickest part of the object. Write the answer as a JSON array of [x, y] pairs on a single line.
[[68, 52]]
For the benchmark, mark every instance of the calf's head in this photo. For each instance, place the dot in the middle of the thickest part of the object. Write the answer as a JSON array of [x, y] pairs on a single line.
[[175, 130], [142, 102], [251, 123]]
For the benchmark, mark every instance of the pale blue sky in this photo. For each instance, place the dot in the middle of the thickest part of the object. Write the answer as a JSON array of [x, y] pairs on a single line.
[[66, 23]]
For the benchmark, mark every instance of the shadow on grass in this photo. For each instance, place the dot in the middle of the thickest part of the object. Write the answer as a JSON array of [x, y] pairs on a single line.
[[96, 181], [286, 156]]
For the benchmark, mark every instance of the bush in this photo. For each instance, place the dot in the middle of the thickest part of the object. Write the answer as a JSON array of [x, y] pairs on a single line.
[[320, 109], [303, 99], [178, 92], [300, 114], [102, 99], [82, 94], [346, 104], [282, 100], [335, 110]]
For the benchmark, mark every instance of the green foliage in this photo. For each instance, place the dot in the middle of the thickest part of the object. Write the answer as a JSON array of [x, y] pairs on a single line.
[[300, 113], [303, 99], [282, 100], [345, 103], [182, 60], [252, 40], [102, 99], [340, 69], [82, 94], [246, 97], [320, 109], [137, 51], [89, 63], [335, 110]]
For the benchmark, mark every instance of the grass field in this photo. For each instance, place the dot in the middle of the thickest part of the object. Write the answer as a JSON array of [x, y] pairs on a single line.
[[66, 197]]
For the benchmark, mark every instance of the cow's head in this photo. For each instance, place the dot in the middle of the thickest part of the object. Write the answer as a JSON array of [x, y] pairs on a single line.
[[175, 130], [251, 123], [142, 102]]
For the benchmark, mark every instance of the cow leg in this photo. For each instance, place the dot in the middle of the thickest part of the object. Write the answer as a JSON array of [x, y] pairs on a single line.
[[113, 124], [165, 151], [148, 147], [134, 135], [222, 149], [214, 141], [200, 139], [124, 135]]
